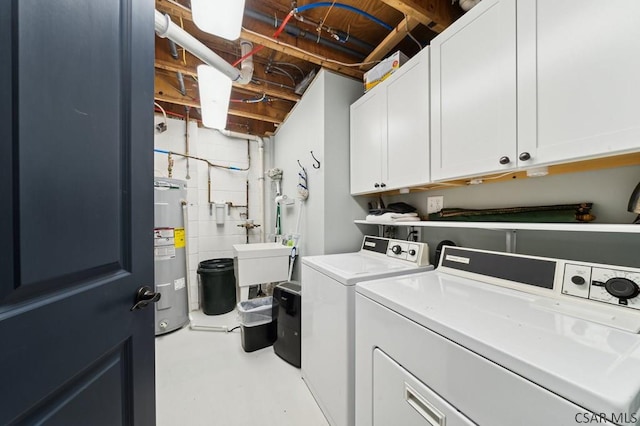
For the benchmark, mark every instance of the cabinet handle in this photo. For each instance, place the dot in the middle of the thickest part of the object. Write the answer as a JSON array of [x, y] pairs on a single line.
[[525, 156], [377, 185], [431, 414], [382, 185], [504, 160]]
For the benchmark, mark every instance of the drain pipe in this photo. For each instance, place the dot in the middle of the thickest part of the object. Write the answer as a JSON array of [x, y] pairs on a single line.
[[260, 172], [165, 28]]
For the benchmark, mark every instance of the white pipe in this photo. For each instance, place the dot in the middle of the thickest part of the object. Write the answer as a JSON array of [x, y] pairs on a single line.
[[185, 220], [167, 29], [260, 172], [261, 187], [246, 71]]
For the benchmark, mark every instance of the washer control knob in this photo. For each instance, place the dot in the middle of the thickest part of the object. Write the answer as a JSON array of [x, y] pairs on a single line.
[[577, 280], [396, 249], [412, 252], [622, 288]]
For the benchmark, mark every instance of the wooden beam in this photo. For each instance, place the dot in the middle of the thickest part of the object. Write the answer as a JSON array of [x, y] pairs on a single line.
[[254, 116], [165, 91], [390, 41], [434, 14], [175, 66], [296, 52], [173, 8]]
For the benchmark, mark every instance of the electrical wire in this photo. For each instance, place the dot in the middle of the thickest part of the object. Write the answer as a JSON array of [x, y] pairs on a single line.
[[280, 85], [318, 57], [325, 17], [184, 51], [411, 35], [263, 98], [312, 6], [302, 74], [280, 71], [164, 113]]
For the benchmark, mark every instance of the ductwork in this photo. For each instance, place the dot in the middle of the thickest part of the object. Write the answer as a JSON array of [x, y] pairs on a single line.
[[167, 29]]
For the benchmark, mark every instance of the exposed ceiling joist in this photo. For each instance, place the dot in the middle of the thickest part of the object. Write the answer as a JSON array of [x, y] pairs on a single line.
[[296, 52], [248, 114], [399, 32], [337, 39], [177, 10], [434, 14], [174, 9], [165, 91], [173, 66]]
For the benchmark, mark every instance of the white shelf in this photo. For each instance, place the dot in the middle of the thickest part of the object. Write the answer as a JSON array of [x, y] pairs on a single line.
[[514, 226]]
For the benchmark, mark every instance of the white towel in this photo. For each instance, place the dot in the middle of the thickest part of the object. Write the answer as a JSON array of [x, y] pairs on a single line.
[[394, 217]]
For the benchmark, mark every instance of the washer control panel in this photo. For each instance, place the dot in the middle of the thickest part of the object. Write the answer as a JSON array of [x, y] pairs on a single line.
[[417, 253], [410, 251], [614, 286]]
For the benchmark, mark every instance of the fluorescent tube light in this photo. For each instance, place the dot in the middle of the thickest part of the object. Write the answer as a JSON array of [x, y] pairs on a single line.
[[215, 93], [222, 18]]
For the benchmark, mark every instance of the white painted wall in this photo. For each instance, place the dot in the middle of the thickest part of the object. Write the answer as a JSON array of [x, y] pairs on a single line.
[[608, 189], [206, 239], [320, 123]]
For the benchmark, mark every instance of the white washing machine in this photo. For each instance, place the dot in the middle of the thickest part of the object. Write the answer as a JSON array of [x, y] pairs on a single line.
[[328, 318], [499, 339]]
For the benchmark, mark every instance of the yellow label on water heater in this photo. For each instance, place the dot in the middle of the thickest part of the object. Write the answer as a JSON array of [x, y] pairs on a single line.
[[178, 235]]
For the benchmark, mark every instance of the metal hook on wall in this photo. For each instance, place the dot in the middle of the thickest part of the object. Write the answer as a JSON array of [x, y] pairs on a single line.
[[317, 164], [300, 164]]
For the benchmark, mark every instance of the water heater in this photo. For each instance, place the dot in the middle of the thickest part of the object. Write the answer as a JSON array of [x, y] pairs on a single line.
[[170, 255]]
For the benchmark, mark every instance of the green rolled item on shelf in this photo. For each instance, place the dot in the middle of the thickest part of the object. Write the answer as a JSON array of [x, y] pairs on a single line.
[[564, 213]]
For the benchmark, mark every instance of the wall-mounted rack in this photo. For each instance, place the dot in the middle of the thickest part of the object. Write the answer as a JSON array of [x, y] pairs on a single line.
[[511, 228]]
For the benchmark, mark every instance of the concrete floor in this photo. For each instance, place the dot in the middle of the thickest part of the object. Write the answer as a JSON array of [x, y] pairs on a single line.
[[205, 378]]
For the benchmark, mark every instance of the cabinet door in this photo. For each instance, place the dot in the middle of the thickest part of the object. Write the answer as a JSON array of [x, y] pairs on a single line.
[[578, 64], [473, 83], [368, 128], [407, 148]]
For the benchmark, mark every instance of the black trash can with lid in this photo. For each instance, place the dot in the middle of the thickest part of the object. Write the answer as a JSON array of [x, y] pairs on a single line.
[[218, 286]]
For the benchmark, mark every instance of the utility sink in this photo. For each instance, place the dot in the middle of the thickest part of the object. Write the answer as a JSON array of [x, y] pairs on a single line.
[[260, 263]]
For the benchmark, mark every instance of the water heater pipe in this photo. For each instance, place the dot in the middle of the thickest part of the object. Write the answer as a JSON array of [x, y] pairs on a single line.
[[165, 28], [260, 172]]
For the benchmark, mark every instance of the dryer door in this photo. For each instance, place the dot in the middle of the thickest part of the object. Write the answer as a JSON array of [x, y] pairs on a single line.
[[400, 398]]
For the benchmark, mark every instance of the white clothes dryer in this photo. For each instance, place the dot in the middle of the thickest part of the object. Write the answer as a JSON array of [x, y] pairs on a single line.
[[328, 318], [499, 339]]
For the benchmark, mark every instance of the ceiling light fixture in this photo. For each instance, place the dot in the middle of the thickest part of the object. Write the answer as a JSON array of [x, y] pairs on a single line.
[[222, 18], [215, 92]]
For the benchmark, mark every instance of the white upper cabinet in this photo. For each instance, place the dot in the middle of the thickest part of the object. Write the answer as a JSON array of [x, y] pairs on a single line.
[[390, 131], [408, 124], [560, 88], [368, 128], [578, 70], [473, 93]]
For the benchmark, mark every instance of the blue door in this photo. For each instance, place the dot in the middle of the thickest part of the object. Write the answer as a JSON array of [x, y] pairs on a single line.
[[76, 212]]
